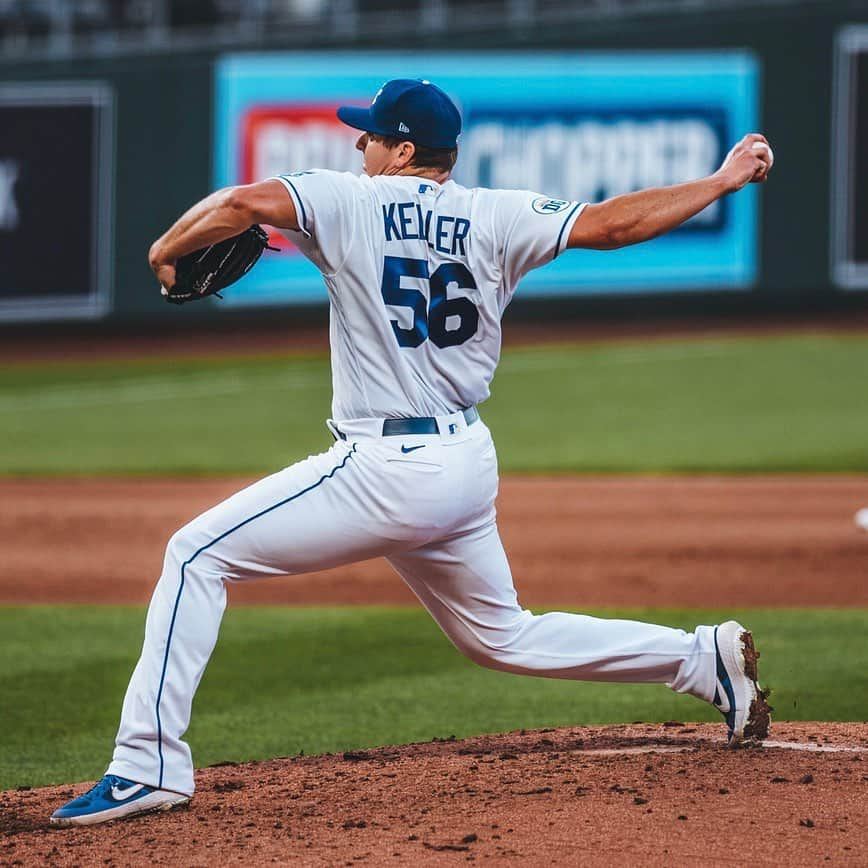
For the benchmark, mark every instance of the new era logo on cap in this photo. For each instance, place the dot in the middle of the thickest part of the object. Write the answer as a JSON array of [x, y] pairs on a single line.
[[414, 108]]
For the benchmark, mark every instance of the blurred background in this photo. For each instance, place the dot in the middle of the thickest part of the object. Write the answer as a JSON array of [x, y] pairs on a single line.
[[116, 115], [718, 373]]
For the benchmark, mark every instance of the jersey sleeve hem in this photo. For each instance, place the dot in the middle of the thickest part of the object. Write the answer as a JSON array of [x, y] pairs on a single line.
[[564, 234], [299, 205]]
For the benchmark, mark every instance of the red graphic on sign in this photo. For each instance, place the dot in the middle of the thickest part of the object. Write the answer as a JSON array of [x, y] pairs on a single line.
[[286, 138]]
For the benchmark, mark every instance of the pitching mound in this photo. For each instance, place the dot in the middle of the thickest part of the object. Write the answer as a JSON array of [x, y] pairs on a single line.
[[649, 794]]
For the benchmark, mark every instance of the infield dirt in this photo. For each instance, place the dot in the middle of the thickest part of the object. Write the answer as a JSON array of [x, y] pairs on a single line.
[[704, 542]]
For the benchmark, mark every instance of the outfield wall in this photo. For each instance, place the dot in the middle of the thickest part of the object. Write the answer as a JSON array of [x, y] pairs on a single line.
[[161, 136]]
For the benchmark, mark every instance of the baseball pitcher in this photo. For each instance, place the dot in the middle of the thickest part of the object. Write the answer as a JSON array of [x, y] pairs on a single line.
[[419, 271]]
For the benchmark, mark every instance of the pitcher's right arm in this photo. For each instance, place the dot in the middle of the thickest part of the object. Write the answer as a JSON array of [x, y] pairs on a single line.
[[636, 217]]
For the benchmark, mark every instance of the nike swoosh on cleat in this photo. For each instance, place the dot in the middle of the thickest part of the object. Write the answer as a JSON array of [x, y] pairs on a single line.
[[120, 795], [406, 449]]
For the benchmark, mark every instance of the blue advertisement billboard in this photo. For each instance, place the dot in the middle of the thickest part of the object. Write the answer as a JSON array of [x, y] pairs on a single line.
[[582, 126]]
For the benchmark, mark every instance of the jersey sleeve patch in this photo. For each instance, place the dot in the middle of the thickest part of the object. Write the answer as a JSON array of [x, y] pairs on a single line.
[[544, 205]]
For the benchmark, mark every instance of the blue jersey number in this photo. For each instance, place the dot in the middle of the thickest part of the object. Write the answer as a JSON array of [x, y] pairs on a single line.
[[430, 322]]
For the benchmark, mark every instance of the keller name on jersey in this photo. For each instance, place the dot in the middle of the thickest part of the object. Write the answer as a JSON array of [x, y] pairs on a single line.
[[418, 274], [409, 221]]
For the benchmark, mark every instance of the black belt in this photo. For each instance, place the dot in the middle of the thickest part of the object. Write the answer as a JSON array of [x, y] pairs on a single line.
[[420, 425]]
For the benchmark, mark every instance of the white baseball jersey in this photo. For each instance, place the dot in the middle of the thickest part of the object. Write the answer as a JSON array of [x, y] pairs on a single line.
[[418, 275]]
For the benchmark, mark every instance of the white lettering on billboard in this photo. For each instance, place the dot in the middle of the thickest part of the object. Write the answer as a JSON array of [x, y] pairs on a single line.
[[588, 160], [584, 160], [282, 146]]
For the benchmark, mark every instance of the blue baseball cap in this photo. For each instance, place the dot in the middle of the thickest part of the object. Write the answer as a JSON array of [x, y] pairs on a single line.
[[410, 109]]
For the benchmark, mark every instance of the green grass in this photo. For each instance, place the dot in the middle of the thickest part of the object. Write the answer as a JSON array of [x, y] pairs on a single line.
[[286, 680], [727, 405]]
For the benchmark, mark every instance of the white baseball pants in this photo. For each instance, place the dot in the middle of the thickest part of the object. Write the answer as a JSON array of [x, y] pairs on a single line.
[[426, 502]]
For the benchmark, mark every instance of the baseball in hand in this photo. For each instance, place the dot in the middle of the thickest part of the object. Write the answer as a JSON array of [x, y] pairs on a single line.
[[762, 146]]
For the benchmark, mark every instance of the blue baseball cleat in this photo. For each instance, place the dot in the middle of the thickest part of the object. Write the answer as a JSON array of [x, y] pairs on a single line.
[[738, 696], [113, 798]]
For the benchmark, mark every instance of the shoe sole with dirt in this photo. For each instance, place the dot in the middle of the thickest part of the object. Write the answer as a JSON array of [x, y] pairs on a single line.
[[756, 729]]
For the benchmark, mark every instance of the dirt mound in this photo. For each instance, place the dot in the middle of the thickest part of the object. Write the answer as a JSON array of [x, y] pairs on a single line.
[[643, 794]]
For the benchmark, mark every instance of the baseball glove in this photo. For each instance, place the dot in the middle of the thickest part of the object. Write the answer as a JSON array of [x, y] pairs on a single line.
[[206, 271]]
